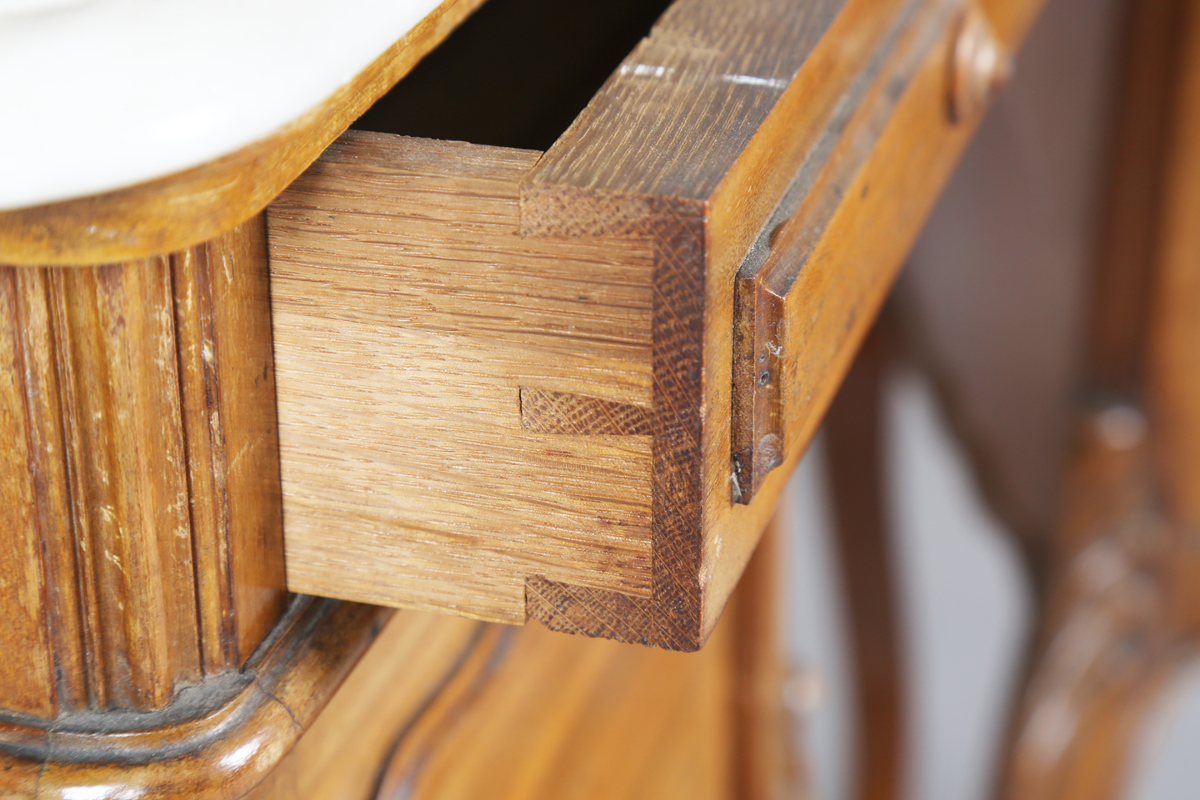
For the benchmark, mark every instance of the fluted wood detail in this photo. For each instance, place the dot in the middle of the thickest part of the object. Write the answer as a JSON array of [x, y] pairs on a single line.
[[141, 541]]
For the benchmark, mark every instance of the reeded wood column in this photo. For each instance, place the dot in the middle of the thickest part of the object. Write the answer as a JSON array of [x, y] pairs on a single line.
[[140, 513]]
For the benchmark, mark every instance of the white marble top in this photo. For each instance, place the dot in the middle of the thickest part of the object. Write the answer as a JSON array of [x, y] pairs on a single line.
[[100, 94]]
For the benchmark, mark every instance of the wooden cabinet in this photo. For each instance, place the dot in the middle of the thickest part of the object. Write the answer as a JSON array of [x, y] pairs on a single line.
[[570, 385], [328, 369]]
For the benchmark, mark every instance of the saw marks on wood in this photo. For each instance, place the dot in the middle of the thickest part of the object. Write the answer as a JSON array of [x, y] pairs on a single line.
[[561, 412]]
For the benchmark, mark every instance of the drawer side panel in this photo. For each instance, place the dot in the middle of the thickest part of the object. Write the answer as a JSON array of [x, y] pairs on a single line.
[[409, 315]]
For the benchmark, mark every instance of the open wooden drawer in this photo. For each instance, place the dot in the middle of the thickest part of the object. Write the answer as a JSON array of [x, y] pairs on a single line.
[[570, 385]]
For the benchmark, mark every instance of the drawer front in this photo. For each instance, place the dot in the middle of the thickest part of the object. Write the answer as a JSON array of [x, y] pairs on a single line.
[[516, 384]]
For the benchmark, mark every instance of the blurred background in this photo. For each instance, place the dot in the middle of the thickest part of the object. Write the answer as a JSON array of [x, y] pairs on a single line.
[[977, 417]]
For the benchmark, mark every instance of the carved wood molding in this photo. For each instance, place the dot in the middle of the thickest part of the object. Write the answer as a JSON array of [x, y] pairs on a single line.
[[1112, 630], [140, 492], [216, 741], [1123, 611]]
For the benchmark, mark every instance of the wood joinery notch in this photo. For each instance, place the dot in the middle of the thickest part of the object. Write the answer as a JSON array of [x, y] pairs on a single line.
[[570, 385]]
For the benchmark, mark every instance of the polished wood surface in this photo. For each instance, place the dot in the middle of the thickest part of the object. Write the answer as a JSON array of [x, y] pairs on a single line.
[[146, 648], [193, 206], [26, 671], [227, 383], [406, 669], [441, 707], [788, 339], [561, 717], [216, 742]]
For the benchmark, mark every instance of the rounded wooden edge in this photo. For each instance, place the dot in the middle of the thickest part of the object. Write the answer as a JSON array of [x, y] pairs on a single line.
[[195, 205], [220, 754]]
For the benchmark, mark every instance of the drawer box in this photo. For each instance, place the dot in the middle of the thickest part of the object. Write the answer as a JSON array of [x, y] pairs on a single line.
[[519, 384]]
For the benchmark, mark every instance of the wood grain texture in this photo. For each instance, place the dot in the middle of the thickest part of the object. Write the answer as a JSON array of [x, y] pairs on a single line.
[[685, 103], [444, 707], [547, 411], [192, 206], [222, 315], [122, 387], [126, 459], [874, 224], [26, 670], [552, 717], [406, 303], [406, 668], [215, 745], [121, 535], [670, 616], [441, 707], [408, 316], [710, 82]]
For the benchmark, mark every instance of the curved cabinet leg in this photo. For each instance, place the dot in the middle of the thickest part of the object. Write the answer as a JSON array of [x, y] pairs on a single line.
[[1121, 604], [1111, 637]]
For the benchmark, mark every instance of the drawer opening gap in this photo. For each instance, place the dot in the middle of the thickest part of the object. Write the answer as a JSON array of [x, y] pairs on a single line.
[[516, 73]]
